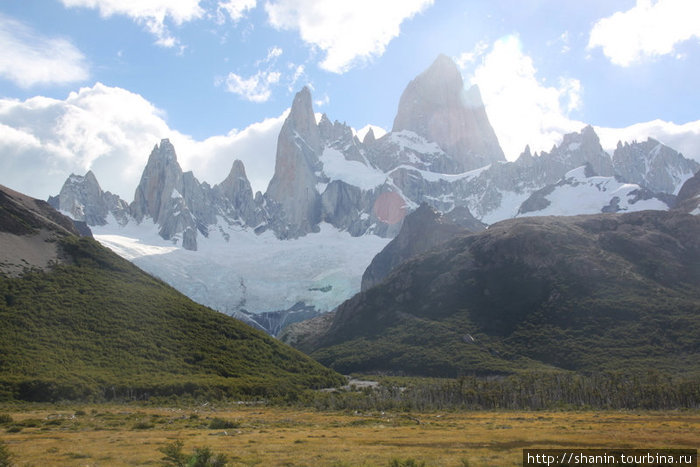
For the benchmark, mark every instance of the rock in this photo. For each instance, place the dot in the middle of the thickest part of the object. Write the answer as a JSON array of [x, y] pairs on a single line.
[[237, 195], [293, 185], [653, 165], [84, 200], [161, 182], [435, 106]]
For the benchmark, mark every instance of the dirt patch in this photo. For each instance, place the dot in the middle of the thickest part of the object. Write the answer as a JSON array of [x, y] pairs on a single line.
[[21, 252]]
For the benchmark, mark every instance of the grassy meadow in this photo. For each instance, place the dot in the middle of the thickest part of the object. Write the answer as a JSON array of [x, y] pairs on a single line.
[[132, 434]]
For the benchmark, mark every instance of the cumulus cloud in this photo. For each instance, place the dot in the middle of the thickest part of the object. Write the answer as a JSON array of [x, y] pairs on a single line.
[[29, 58], [150, 13], [112, 131], [521, 108], [255, 145], [348, 32], [649, 29]]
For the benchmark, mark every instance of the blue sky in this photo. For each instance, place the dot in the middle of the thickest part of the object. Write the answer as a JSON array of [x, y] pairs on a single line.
[[94, 84]]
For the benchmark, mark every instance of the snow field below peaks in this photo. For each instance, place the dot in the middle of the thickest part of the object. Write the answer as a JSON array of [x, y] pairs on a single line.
[[251, 272]]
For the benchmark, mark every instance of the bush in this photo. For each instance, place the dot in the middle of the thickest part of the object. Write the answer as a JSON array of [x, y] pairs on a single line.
[[5, 419], [406, 463], [201, 457], [221, 424], [5, 456]]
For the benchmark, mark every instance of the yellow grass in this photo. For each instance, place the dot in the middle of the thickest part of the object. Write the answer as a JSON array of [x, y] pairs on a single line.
[[107, 435]]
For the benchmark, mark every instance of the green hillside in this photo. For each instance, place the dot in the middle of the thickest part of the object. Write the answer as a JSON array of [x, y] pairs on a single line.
[[93, 326], [585, 293]]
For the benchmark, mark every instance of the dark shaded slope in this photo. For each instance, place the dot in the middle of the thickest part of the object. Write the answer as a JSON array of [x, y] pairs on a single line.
[[98, 327], [422, 230], [688, 199], [583, 293]]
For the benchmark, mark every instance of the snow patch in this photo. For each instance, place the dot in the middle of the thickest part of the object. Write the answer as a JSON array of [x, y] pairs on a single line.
[[589, 195], [355, 173], [509, 207], [407, 139], [435, 176]]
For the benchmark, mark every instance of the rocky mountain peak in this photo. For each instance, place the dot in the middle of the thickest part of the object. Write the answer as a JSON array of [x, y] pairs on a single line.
[[653, 165], [302, 120], [160, 179], [577, 149], [82, 197], [237, 191], [292, 190], [435, 106]]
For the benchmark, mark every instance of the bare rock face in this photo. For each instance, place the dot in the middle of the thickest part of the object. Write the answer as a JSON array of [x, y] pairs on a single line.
[[82, 197], [237, 196], [160, 182], [653, 165], [161, 192], [436, 106], [293, 185]]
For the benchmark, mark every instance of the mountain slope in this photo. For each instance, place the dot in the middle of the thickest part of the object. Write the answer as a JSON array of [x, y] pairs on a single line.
[[422, 230], [94, 326], [689, 195], [584, 293]]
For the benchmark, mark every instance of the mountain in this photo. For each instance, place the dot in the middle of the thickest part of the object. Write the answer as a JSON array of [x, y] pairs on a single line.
[[581, 191], [435, 106], [582, 293], [83, 199], [422, 230], [340, 200], [79, 322], [653, 166], [689, 196]]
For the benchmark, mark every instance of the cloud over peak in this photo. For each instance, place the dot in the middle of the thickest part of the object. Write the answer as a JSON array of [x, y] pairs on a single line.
[[348, 32]]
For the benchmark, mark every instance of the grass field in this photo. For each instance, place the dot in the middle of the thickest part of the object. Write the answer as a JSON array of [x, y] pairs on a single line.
[[120, 435]]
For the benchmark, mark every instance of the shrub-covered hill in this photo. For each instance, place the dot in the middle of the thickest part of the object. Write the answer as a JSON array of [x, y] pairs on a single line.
[[584, 293], [90, 325]]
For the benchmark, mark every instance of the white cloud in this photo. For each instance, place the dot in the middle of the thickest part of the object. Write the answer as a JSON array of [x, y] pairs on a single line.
[[521, 108], [29, 58], [467, 58], [237, 9], [299, 72], [112, 131], [256, 146], [256, 88], [349, 32], [649, 29], [149, 13], [683, 138]]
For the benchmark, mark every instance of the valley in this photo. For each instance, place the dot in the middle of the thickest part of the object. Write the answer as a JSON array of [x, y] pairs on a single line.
[[122, 435]]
